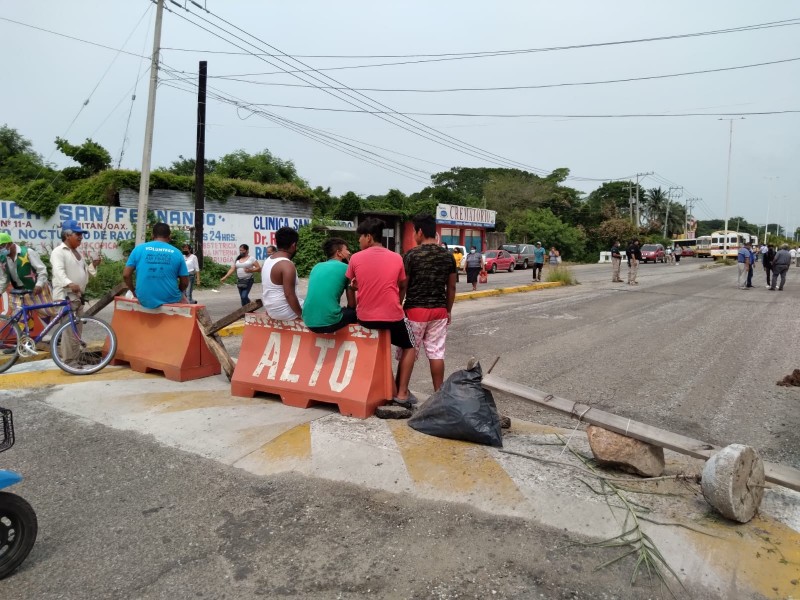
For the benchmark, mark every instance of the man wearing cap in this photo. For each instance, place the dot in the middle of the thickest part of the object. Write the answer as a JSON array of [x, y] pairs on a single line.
[[20, 266], [538, 261], [71, 273], [743, 258], [159, 268]]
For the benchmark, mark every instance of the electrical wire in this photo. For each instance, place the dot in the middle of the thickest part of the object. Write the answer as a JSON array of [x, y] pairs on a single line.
[[493, 53], [512, 87]]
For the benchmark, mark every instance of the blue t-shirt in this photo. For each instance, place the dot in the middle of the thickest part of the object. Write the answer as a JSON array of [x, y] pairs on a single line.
[[743, 255], [158, 266], [538, 255]]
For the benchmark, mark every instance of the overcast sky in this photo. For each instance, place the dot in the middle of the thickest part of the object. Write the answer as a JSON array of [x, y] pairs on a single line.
[[47, 78]]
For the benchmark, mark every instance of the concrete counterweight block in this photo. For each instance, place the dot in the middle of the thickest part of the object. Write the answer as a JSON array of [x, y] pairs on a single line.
[[733, 482]]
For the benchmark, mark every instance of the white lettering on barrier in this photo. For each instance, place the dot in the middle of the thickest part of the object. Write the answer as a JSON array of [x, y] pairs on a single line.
[[342, 372], [323, 344], [272, 353], [352, 350], [287, 374]]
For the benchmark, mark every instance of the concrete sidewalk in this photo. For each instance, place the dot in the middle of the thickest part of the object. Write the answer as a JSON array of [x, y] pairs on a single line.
[[264, 437]]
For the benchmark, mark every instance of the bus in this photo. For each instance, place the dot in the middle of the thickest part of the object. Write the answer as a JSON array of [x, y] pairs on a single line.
[[688, 246], [703, 247], [734, 241]]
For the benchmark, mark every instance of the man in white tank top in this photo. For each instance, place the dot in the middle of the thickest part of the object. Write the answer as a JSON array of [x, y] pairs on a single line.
[[279, 278]]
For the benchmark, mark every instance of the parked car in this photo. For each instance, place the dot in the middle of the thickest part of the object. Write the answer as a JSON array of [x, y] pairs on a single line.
[[499, 260], [522, 253], [654, 253]]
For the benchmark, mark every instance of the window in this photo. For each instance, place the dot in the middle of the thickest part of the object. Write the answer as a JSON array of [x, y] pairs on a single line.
[[450, 236]]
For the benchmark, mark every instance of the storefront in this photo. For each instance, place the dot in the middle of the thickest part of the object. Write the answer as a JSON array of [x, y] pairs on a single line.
[[457, 225]]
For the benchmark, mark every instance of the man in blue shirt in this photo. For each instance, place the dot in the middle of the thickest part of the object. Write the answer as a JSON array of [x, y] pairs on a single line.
[[161, 274], [538, 261], [743, 258]]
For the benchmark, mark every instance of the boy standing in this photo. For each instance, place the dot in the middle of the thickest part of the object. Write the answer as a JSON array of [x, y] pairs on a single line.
[[379, 278], [430, 293]]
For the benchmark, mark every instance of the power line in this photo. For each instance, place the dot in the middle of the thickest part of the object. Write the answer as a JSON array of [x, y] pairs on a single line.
[[493, 53], [524, 115], [510, 87]]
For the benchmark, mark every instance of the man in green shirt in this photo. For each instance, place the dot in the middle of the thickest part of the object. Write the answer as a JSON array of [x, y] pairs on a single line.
[[322, 310]]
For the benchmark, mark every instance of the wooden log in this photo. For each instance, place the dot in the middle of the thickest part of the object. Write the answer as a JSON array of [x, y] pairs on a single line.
[[233, 317], [780, 474], [107, 299], [214, 343]]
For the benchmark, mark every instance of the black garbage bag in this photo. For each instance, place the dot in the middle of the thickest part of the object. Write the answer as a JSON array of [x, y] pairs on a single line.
[[461, 410]]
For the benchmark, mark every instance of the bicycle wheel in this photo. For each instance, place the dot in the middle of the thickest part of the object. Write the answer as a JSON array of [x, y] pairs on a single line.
[[9, 338], [86, 353]]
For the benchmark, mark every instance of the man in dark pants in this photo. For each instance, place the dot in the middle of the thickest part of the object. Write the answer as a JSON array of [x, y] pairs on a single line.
[[752, 265], [780, 264], [769, 256]]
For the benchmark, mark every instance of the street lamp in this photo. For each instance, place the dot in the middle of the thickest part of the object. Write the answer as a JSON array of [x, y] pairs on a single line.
[[728, 187]]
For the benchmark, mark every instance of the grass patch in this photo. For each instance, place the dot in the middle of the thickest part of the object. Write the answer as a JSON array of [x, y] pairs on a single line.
[[561, 274]]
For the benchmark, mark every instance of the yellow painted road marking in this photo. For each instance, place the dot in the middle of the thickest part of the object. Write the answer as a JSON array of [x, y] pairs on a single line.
[[291, 450], [168, 402], [38, 379], [763, 554], [453, 466]]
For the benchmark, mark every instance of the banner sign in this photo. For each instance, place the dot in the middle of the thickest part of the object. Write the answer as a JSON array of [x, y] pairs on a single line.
[[107, 226], [450, 214]]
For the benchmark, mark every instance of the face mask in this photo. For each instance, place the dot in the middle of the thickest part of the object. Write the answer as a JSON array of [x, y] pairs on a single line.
[[186, 253], [3, 253], [472, 251]]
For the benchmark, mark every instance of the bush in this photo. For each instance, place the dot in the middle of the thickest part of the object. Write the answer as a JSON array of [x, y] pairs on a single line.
[[109, 274], [562, 274]]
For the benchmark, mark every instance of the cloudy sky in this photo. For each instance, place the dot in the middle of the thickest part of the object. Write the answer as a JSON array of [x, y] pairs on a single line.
[[381, 54]]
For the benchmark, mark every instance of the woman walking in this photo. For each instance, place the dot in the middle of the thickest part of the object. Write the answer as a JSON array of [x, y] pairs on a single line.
[[473, 265], [193, 266], [244, 265]]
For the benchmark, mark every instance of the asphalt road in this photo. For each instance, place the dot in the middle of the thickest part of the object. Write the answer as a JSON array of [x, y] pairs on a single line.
[[124, 517]]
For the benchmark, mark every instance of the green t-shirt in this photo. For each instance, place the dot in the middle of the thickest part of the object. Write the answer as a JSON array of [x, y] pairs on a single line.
[[325, 287]]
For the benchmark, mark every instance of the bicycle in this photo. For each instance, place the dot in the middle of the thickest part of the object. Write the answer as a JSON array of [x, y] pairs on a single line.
[[80, 346]]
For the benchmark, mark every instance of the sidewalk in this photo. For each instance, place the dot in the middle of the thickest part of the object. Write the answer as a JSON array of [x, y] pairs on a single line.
[[264, 437]]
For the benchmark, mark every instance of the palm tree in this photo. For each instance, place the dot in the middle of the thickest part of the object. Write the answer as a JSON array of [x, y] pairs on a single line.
[[655, 204]]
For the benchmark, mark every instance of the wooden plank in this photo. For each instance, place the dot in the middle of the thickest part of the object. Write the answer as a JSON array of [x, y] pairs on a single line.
[[233, 317], [780, 474], [107, 299], [214, 343]]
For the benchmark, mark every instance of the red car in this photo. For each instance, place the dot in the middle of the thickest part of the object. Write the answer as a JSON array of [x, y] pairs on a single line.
[[654, 252], [499, 260]]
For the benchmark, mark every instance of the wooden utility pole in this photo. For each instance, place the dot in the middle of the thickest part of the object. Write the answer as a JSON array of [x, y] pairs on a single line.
[[200, 165]]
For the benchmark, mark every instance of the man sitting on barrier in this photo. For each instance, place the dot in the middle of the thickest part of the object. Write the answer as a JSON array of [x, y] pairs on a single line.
[[380, 280], [161, 274], [279, 278], [322, 311]]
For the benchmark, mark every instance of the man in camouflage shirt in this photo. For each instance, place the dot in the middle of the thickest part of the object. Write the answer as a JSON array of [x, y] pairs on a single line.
[[431, 290]]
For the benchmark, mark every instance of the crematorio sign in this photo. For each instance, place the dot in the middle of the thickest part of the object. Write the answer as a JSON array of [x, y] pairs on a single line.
[[450, 214]]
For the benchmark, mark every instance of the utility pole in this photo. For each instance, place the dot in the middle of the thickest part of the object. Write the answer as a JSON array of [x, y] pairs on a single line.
[[669, 201], [144, 181], [630, 199], [728, 186], [771, 195], [638, 219], [200, 164], [688, 211]]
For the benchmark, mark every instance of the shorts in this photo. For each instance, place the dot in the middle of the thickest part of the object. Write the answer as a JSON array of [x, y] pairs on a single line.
[[399, 331], [430, 335]]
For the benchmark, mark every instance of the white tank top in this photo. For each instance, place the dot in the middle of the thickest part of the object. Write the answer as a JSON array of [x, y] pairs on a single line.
[[272, 295]]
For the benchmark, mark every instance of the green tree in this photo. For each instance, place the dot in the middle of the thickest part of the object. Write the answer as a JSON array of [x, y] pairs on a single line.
[[612, 230], [18, 162], [348, 207], [186, 166], [542, 225], [91, 156], [262, 167]]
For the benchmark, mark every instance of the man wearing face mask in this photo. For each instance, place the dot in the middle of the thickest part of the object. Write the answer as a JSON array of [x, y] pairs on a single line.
[[21, 267], [279, 278]]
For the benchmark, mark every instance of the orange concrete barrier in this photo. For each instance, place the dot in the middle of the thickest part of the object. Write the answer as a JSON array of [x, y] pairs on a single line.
[[166, 339], [351, 368]]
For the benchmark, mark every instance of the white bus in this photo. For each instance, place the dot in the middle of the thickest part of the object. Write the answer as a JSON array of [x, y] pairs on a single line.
[[732, 240], [703, 246]]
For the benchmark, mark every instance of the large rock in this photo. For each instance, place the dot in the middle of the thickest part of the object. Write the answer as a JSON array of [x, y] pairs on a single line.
[[733, 482], [631, 455]]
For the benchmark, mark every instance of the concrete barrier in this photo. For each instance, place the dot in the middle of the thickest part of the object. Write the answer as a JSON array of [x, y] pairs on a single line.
[[605, 257], [351, 368], [166, 339]]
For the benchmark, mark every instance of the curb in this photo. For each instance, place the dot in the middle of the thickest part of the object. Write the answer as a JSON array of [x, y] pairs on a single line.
[[238, 327]]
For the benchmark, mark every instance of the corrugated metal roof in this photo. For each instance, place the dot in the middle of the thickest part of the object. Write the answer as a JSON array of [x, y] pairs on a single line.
[[178, 200]]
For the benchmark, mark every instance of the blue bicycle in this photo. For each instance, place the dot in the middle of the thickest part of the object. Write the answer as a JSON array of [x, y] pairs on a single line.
[[81, 345]]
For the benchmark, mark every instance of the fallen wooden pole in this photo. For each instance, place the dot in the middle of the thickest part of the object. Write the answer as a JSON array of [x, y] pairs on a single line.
[[780, 474], [233, 317], [214, 343], [107, 299]]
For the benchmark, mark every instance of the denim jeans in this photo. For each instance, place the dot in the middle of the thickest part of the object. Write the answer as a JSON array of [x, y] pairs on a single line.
[[244, 293], [190, 287]]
